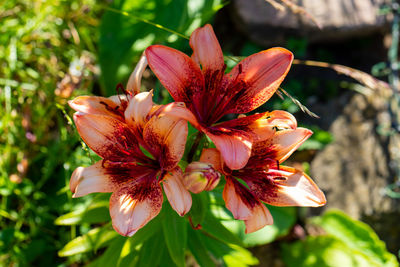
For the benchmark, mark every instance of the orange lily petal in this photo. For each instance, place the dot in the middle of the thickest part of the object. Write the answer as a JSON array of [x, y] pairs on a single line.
[[238, 199], [262, 125], [180, 75], [281, 145], [259, 218], [178, 196], [138, 109], [178, 109], [166, 137], [90, 180], [104, 176], [262, 73], [282, 119], [287, 187], [120, 100], [96, 105], [244, 206], [135, 204], [212, 156], [206, 49], [135, 78], [234, 145], [110, 138]]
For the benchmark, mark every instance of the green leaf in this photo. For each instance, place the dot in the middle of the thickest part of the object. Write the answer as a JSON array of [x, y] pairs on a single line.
[[149, 256], [96, 238], [200, 204], [323, 251], [232, 255], [129, 255], [175, 233], [112, 254], [166, 259], [240, 257], [148, 230], [95, 213], [213, 226], [198, 249], [357, 236]]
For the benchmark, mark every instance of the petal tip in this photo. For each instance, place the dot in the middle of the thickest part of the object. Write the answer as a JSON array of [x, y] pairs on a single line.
[[131, 233]]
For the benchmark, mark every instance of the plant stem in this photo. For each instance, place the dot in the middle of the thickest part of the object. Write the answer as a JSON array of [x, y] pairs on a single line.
[[195, 146]]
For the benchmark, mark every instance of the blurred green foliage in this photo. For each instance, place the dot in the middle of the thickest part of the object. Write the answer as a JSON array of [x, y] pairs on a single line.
[[344, 242], [39, 41]]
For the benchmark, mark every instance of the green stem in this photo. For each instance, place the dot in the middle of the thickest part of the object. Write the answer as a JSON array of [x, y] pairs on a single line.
[[194, 146]]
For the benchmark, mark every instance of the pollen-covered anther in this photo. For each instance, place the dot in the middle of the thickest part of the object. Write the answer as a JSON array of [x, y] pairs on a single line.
[[200, 176]]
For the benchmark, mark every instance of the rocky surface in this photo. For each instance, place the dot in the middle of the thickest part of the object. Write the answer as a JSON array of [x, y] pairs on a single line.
[[353, 170], [339, 19]]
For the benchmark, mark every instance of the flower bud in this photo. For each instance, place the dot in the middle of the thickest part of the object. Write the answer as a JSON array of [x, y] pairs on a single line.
[[200, 176]]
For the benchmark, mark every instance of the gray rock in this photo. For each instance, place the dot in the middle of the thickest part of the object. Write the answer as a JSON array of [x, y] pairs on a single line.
[[339, 19], [354, 169]]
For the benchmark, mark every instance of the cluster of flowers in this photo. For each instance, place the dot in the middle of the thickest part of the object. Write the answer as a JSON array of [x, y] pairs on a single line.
[[141, 143]]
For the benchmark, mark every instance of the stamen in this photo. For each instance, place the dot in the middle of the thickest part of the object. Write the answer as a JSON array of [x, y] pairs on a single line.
[[103, 163], [119, 88], [108, 107], [280, 178]]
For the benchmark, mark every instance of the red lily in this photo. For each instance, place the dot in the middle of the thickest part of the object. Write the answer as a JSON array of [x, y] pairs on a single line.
[[116, 130], [267, 180], [209, 93]]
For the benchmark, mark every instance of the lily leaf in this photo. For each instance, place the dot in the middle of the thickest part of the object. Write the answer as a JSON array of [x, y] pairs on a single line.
[[199, 208], [112, 253], [356, 235], [198, 249], [232, 255], [347, 243], [95, 213], [149, 256], [213, 226], [175, 234], [96, 238]]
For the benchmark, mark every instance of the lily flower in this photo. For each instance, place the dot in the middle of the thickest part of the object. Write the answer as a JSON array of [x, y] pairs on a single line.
[[267, 181], [209, 94], [118, 130]]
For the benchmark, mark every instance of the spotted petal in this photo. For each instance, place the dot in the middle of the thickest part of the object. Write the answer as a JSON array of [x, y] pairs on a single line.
[[135, 204], [287, 187], [89, 180], [262, 125], [180, 75], [166, 136], [262, 73], [96, 105], [212, 156], [110, 138], [104, 176], [244, 206], [281, 145]]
